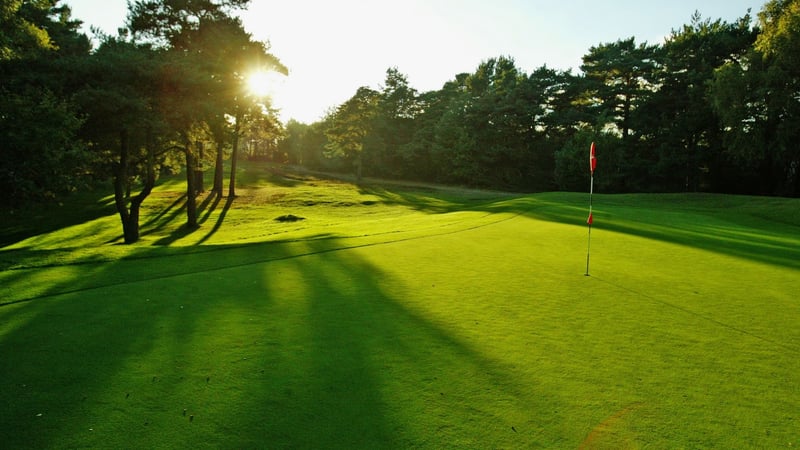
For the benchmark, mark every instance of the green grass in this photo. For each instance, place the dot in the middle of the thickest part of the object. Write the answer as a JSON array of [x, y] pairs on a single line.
[[397, 317]]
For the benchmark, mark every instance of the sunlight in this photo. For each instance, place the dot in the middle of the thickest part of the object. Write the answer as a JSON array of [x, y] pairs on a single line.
[[263, 83], [289, 95]]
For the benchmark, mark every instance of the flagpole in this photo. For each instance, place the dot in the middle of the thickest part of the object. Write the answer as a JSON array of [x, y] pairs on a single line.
[[590, 221]]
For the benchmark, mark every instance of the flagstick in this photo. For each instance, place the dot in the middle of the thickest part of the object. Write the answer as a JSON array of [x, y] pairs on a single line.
[[589, 245]]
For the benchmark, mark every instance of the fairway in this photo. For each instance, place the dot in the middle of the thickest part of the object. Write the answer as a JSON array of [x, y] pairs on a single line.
[[402, 317]]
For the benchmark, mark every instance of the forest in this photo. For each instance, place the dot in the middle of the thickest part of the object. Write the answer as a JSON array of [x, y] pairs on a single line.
[[713, 108]]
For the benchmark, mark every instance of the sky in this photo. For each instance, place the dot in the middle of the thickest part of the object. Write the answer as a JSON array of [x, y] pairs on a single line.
[[333, 47]]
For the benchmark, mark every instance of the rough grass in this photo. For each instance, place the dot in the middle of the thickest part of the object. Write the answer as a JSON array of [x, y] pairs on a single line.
[[403, 317]]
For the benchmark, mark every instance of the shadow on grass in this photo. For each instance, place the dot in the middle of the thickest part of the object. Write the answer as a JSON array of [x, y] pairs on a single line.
[[308, 349], [767, 246], [220, 218], [433, 201], [203, 208], [258, 173], [39, 219], [204, 211], [693, 221], [167, 215]]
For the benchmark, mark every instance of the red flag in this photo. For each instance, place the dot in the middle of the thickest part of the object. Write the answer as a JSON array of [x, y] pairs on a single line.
[[590, 220], [592, 158]]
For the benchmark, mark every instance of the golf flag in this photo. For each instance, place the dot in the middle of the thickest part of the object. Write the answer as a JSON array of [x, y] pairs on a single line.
[[590, 220], [592, 166]]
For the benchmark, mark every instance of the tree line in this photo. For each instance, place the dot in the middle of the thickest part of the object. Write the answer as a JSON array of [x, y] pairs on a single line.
[[715, 108]]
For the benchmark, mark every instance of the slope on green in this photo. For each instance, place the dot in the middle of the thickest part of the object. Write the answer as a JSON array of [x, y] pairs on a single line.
[[407, 317]]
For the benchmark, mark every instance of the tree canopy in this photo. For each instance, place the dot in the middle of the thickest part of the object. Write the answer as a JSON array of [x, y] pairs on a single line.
[[712, 108], [132, 108]]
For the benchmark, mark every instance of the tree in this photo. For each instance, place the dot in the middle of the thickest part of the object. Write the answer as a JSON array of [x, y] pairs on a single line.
[[572, 162], [621, 73], [424, 156], [168, 23], [779, 39], [305, 144], [565, 125], [293, 142], [262, 135], [229, 55], [63, 31], [500, 125], [757, 100], [394, 123], [211, 51], [492, 133], [779, 43], [23, 32], [350, 125], [248, 110], [183, 92], [40, 154], [124, 121], [619, 78], [171, 25], [677, 121]]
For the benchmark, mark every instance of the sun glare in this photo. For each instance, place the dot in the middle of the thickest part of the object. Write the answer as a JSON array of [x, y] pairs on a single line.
[[262, 83]]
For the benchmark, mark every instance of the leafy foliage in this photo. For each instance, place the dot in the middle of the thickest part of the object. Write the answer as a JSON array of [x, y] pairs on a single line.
[[758, 101], [40, 161], [712, 108], [167, 84]]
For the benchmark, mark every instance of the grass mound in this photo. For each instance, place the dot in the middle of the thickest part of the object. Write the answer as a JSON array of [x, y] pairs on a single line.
[[289, 218], [396, 317]]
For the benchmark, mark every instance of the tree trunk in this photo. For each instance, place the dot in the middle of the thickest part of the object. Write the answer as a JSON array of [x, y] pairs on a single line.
[[130, 217], [149, 183], [198, 168], [120, 183], [359, 165], [191, 191], [219, 170], [132, 231], [234, 155], [626, 117]]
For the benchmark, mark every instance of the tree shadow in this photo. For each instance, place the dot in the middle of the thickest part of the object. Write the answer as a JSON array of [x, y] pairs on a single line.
[[220, 219], [204, 211], [779, 248], [365, 371], [270, 173], [745, 236], [435, 201], [285, 179], [302, 347], [166, 215], [176, 235], [17, 226]]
